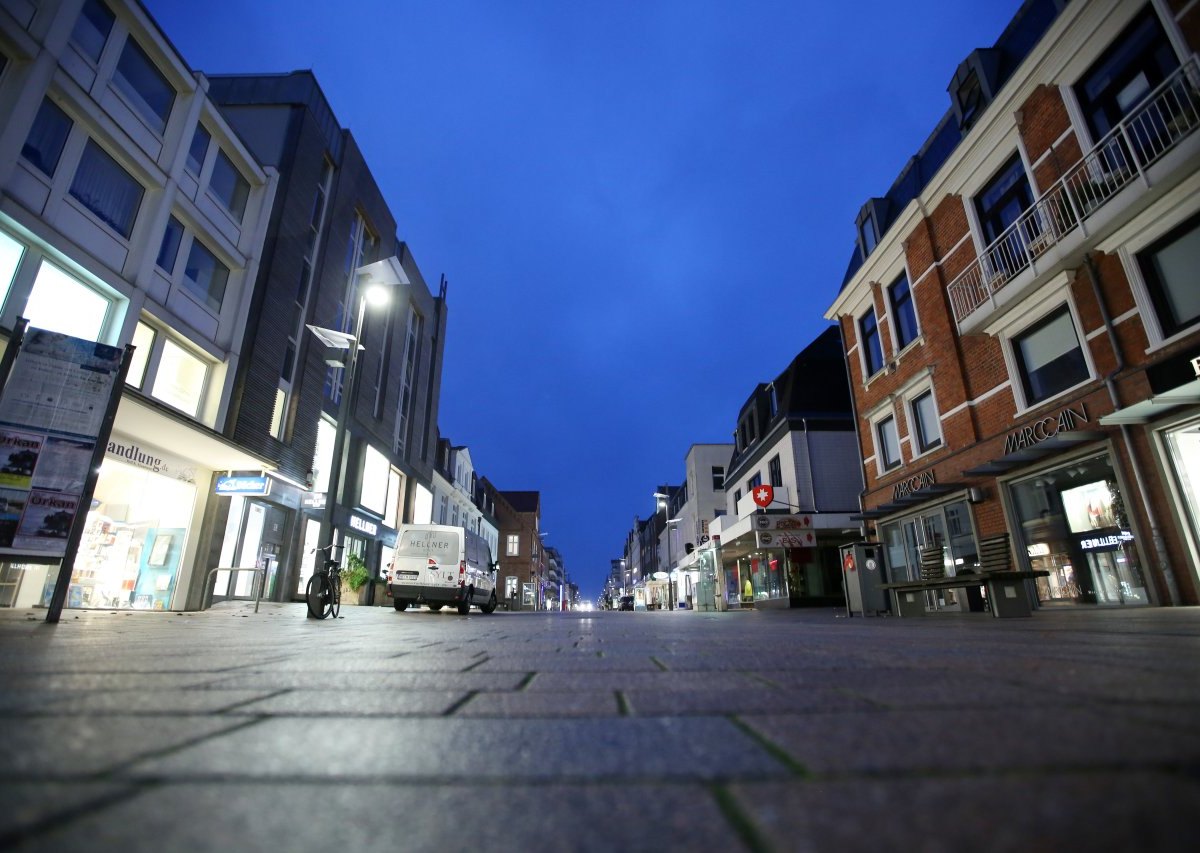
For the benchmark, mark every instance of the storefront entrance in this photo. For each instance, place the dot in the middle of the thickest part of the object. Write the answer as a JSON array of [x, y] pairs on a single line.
[[943, 538]]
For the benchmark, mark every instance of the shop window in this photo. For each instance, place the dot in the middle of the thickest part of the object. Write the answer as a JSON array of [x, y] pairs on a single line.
[[11, 253], [888, 443], [395, 497], [180, 379], [144, 85], [205, 275], [926, 424], [106, 189], [46, 139], [1169, 269], [143, 343], [168, 249], [374, 480], [904, 313], [872, 347], [61, 303], [198, 149], [775, 471], [1137, 61], [228, 185], [322, 462], [1049, 357], [92, 29]]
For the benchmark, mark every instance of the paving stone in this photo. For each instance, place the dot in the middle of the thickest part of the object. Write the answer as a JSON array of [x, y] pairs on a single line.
[[355, 703], [741, 700], [148, 701], [542, 703], [30, 804], [465, 681]]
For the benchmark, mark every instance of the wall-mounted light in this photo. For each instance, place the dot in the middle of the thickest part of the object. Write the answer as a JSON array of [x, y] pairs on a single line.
[[975, 495]]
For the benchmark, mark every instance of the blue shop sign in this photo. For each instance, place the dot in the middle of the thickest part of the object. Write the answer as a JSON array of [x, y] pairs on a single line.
[[241, 484]]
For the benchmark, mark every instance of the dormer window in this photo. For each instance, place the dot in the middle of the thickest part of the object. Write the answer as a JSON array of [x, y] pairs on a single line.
[[970, 101], [868, 235], [974, 85]]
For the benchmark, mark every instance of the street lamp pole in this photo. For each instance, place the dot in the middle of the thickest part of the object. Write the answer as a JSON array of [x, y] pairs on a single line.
[[667, 522]]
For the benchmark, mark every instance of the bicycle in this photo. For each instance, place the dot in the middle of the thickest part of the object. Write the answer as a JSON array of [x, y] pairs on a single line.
[[324, 591]]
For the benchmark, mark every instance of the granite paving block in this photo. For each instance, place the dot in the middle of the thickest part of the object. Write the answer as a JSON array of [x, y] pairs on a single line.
[[66, 746], [971, 738], [475, 749], [473, 680], [1093, 812], [183, 701], [542, 703], [352, 703], [304, 818], [27, 804], [109, 681], [625, 680], [722, 700], [567, 662]]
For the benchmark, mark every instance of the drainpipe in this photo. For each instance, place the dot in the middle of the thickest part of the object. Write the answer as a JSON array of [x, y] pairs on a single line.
[[862, 494], [1156, 536]]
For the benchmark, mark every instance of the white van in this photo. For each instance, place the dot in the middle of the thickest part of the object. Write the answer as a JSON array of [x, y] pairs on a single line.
[[438, 565]]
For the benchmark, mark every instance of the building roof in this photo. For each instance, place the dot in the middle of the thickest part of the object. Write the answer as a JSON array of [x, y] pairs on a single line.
[[523, 501]]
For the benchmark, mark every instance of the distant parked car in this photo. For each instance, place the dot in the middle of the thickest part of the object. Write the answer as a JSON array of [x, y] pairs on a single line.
[[625, 602]]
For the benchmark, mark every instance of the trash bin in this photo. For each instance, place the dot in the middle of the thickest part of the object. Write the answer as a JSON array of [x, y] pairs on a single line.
[[863, 573]]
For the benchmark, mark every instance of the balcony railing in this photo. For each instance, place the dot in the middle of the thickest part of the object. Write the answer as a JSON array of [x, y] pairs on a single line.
[[1166, 116]]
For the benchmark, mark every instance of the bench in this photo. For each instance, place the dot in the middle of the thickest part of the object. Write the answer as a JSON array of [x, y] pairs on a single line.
[[1006, 590]]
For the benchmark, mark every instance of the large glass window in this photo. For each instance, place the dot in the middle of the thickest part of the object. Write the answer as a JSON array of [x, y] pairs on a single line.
[[1169, 269], [904, 313], [106, 189], [92, 29], [323, 455], [61, 303], [1138, 60], [1049, 357], [868, 328], [205, 275], [925, 422], [888, 443], [1002, 201], [143, 343], [1073, 525], [168, 250], [374, 480], [46, 139], [145, 86], [228, 185], [180, 378], [775, 471], [11, 253]]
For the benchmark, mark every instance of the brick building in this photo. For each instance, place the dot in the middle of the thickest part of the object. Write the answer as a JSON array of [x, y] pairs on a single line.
[[1020, 317]]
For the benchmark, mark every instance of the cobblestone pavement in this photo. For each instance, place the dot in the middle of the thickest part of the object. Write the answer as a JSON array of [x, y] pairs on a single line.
[[790, 730]]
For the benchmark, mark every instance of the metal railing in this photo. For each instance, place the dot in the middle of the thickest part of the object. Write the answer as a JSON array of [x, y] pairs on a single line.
[[1168, 114], [259, 582]]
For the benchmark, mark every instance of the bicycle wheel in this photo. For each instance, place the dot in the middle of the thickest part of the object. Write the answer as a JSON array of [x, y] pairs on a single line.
[[335, 596], [316, 594]]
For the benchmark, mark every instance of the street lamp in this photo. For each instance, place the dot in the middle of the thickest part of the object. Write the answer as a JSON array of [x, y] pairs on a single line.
[[374, 282], [670, 566]]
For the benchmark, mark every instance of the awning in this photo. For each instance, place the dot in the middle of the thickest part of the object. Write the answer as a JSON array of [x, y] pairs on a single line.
[[140, 418], [1147, 410]]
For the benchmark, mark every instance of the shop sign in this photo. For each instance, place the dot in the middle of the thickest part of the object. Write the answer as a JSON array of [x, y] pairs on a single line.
[[312, 500], [1171, 373], [1106, 543], [150, 459], [913, 484], [786, 539], [1047, 427], [1196, 366], [235, 484], [363, 525], [783, 522]]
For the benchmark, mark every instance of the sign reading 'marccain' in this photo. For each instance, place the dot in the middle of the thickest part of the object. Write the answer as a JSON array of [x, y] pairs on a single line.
[[1047, 427]]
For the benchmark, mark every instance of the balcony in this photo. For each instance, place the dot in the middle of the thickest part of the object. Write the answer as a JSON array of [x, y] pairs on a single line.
[[1078, 204]]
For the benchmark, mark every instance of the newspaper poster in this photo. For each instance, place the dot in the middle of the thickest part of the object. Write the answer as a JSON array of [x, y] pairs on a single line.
[[63, 465], [46, 522], [18, 457], [12, 504]]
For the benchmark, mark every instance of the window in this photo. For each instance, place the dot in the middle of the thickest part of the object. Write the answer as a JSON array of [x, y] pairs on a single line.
[[143, 342], [391, 516], [887, 441], [168, 250], [718, 478], [205, 276], [145, 86], [772, 401], [870, 238], [228, 185], [1169, 268], [1138, 60], [11, 253], [1002, 201], [406, 397], [46, 139], [180, 378], [61, 303], [737, 498], [868, 329], [904, 314], [754, 482], [1049, 357], [322, 461], [512, 544], [969, 98], [775, 471], [925, 422], [106, 189], [374, 480], [198, 149], [92, 29]]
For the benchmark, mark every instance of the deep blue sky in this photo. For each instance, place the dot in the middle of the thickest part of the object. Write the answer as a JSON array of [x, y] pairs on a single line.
[[643, 208]]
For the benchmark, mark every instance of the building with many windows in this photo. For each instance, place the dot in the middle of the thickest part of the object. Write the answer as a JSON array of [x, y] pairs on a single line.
[[131, 213], [522, 575], [1021, 319]]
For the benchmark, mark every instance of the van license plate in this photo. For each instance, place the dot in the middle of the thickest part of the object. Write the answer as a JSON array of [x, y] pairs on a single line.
[[406, 574]]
